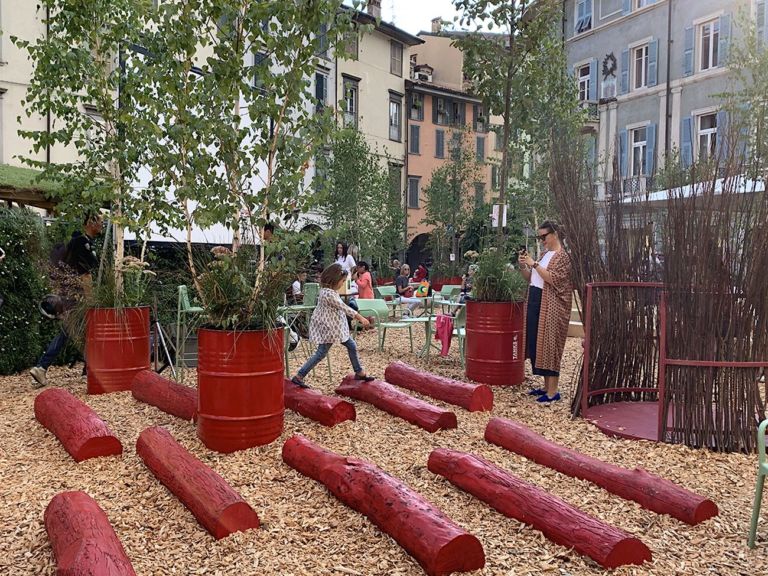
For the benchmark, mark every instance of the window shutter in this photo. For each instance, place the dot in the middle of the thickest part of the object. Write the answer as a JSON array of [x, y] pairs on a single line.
[[462, 113], [439, 144], [686, 142], [580, 11], [623, 168], [593, 80], [587, 25], [474, 117], [626, 8], [494, 177], [688, 52], [725, 39], [480, 149], [625, 71], [434, 109], [721, 145], [415, 139], [761, 22], [592, 155], [650, 149], [653, 57]]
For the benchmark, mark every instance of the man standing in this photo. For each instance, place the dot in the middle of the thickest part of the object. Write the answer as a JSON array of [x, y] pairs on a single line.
[[79, 260]]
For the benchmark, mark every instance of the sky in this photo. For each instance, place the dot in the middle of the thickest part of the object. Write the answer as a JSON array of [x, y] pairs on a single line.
[[415, 15]]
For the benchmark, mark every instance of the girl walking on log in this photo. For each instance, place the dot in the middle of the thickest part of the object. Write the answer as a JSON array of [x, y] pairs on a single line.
[[549, 308], [329, 325]]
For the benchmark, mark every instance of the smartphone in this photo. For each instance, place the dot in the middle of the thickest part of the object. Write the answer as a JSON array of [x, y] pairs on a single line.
[[522, 249]]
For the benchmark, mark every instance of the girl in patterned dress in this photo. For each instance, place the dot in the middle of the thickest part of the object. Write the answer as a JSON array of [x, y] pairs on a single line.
[[329, 325]]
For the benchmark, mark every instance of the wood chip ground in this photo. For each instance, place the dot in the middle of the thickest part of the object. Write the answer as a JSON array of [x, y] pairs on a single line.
[[305, 531]]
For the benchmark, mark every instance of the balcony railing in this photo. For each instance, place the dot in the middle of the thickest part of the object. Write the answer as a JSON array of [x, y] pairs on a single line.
[[591, 108], [629, 187]]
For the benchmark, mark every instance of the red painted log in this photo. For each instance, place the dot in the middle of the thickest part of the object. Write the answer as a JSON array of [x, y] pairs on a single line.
[[170, 397], [311, 404], [83, 541], [79, 429], [214, 503], [473, 397], [648, 490], [433, 539], [388, 398], [555, 518]]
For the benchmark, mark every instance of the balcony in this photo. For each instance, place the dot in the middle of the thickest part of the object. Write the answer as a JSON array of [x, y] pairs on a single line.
[[590, 106], [630, 187]]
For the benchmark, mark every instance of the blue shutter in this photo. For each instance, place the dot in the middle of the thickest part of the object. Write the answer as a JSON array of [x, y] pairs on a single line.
[[480, 141], [439, 143], [688, 52], [653, 58], [580, 7], [593, 80], [415, 139], [686, 141], [592, 155], [626, 7], [623, 164], [725, 39], [650, 149], [625, 71], [588, 15], [721, 144], [762, 16]]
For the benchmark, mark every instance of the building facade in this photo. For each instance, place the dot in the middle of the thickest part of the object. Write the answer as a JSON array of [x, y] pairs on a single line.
[[649, 73]]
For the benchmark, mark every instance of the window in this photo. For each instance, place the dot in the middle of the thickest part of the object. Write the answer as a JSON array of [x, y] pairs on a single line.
[[639, 144], [480, 148], [395, 181], [709, 43], [322, 41], [259, 72], [640, 67], [417, 107], [351, 45], [395, 58], [641, 4], [499, 139], [413, 191], [321, 91], [439, 143], [457, 113], [395, 106], [583, 21], [494, 177], [440, 110], [413, 142], [706, 128], [350, 102], [479, 123], [583, 76], [479, 194]]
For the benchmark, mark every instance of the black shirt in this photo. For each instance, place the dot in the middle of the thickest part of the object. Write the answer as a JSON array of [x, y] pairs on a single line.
[[401, 282], [81, 254]]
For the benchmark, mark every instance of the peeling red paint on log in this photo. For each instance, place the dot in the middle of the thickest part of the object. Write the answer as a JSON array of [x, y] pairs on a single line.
[[311, 404], [438, 544], [83, 541], [214, 503], [556, 519], [80, 430], [388, 398], [473, 397], [170, 397], [650, 491]]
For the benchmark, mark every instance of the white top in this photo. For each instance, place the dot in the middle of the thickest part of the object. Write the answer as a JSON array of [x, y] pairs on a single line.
[[347, 262], [329, 320], [296, 287], [536, 279]]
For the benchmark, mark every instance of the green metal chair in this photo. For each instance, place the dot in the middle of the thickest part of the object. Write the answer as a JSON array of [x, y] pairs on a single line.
[[762, 472], [184, 312], [311, 292], [378, 309], [384, 292], [460, 330]]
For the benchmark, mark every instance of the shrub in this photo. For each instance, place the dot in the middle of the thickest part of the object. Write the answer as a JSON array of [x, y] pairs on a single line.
[[496, 280]]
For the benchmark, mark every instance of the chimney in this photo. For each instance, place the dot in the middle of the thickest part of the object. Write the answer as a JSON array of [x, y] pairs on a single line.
[[374, 8], [437, 25]]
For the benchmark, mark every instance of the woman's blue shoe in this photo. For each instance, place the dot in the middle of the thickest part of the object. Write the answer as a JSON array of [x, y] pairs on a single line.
[[544, 399], [537, 392]]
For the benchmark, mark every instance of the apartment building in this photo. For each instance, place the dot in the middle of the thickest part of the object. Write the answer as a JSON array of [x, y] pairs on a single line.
[[649, 72]]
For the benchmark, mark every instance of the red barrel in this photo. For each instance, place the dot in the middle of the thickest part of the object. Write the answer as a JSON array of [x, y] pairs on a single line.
[[240, 388], [116, 347], [495, 352]]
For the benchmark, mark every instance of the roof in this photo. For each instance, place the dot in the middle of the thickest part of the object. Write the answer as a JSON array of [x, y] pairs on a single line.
[[388, 29], [433, 88], [21, 185]]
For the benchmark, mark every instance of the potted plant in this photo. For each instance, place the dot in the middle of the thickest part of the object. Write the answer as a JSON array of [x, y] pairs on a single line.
[[495, 345]]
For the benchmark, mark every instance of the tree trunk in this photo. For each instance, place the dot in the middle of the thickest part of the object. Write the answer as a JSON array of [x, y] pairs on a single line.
[[214, 503], [438, 544], [555, 518], [390, 399], [170, 397], [80, 430], [648, 490], [311, 404], [83, 541], [473, 397]]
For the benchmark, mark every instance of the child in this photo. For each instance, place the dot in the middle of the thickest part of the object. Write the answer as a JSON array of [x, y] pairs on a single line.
[[329, 325]]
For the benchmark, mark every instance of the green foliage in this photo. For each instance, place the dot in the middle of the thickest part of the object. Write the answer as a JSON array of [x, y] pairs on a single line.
[[359, 201], [495, 279], [23, 331]]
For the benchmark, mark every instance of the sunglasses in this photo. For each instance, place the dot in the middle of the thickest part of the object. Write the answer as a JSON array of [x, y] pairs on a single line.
[[543, 236]]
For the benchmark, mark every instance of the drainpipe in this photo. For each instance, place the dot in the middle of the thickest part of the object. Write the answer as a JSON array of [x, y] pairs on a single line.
[[407, 114], [48, 113], [668, 111]]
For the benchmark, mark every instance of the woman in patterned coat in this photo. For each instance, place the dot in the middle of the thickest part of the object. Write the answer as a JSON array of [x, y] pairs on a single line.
[[329, 325], [548, 311]]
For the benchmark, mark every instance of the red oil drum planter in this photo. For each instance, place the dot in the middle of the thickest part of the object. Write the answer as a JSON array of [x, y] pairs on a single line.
[[116, 347], [240, 388], [495, 345]]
